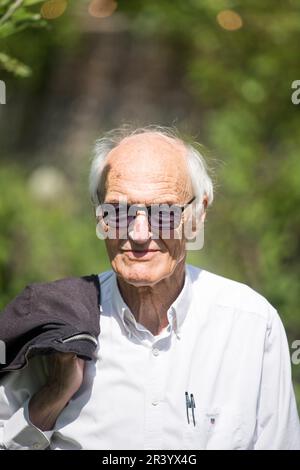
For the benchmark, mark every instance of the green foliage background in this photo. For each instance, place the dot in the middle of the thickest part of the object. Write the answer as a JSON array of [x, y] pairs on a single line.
[[242, 82]]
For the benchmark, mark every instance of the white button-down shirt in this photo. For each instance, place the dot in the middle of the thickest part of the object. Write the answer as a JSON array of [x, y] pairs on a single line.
[[224, 343]]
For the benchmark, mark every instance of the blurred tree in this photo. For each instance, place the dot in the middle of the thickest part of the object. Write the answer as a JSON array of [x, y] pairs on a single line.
[[15, 16], [46, 232]]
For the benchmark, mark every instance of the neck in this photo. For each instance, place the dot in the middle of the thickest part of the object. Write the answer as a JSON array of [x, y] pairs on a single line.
[[150, 304]]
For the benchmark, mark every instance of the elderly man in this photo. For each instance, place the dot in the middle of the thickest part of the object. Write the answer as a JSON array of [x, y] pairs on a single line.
[[187, 359]]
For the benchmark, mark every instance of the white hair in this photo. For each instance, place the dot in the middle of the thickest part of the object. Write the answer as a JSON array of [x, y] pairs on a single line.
[[201, 182]]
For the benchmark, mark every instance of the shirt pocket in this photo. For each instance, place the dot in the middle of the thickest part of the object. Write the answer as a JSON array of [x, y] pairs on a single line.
[[215, 428]]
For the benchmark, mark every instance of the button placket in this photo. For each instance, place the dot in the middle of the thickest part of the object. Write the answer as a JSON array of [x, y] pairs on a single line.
[[154, 396]]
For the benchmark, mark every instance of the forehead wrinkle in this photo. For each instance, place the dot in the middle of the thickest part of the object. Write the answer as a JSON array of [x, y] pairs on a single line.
[[149, 168], [158, 173], [139, 188], [155, 178]]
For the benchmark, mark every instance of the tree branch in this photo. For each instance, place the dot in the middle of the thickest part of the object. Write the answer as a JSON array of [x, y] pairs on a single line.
[[11, 11]]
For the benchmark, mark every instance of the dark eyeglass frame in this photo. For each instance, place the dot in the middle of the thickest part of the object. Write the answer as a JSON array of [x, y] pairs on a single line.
[[171, 225]]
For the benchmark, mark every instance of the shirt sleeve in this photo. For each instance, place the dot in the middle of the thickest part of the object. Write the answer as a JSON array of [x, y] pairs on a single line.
[[16, 389], [277, 420]]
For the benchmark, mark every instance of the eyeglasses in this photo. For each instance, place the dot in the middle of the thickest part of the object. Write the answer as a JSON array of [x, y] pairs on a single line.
[[160, 216]]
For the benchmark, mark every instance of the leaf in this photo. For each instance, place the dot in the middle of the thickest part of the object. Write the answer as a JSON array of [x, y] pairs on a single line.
[[29, 3], [14, 66], [7, 29]]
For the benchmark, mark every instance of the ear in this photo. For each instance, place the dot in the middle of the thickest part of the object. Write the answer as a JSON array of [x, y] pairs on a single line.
[[204, 205], [196, 218], [101, 227], [101, 230]]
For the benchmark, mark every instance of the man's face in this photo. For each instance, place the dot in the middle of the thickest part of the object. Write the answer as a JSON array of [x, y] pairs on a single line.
[[146, 169]]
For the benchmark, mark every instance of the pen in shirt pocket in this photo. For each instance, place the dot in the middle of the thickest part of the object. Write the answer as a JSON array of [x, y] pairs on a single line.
[[190, 404]]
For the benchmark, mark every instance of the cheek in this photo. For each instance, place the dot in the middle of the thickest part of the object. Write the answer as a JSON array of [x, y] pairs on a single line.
[[119, 261], [175, 248], [112, 248]]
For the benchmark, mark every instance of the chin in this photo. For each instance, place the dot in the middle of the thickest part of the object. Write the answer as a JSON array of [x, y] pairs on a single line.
[[142, 279], [140, 275]]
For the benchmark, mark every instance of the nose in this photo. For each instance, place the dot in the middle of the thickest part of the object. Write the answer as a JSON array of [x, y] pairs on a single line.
[[139, 228]]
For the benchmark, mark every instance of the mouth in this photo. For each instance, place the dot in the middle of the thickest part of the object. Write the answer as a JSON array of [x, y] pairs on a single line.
[[137, 254]]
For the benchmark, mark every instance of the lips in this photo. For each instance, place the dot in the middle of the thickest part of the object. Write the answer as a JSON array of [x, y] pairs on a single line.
[[145, 254]]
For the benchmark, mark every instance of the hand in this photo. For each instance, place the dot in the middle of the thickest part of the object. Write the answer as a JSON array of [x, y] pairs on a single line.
[[65, 378], [65, 374]]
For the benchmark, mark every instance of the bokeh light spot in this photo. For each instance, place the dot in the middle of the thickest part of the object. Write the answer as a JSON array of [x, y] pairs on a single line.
[[48, 184], [102, 8], [230, 20], [53, 9]]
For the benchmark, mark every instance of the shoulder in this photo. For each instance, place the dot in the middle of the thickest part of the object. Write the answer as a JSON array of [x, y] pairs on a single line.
[[65, 291], [106, 277], [89, 282], [231, 295], [75, 288]]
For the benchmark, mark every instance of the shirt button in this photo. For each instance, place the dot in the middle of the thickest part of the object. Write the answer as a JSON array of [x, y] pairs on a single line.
[[155, 352]]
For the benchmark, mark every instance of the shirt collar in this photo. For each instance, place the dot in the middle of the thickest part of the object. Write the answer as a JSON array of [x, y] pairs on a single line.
[[176, 313]]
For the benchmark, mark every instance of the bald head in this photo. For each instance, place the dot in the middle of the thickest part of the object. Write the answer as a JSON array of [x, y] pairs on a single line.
[[147, 168]]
